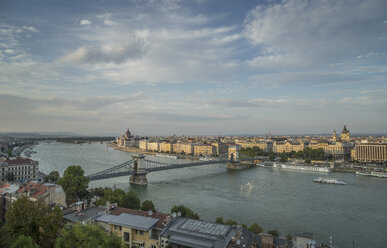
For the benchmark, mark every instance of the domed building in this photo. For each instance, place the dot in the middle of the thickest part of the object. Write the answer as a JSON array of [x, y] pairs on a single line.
[[127, 140], [345, 135]]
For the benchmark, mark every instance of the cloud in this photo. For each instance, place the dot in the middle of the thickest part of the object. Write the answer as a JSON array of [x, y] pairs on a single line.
[[302, 32], [116, 53], [85, 22]]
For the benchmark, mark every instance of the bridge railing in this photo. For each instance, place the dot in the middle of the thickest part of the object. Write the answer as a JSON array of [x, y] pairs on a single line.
[[111, 170]]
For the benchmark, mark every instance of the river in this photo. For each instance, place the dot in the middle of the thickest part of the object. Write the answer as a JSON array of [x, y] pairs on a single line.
[[276, 199]]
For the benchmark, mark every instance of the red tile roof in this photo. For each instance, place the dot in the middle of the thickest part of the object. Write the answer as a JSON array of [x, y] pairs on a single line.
[[158, 215], [19, 161], [37, 189]]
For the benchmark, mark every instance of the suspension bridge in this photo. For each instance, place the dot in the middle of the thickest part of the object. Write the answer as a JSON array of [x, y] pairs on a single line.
[[138, 167]]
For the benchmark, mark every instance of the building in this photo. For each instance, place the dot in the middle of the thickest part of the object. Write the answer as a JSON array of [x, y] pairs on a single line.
[[153, 146], [166, 147], [189, 233], [304, 240], [266, 146], [80, 213], [369, 152], [23, 169], [345, 135], [137, 228], [204, 150], [48, 192], [143, 144], [288, 146], [7, 196], [183, 148], [127, 140], [220, 148]]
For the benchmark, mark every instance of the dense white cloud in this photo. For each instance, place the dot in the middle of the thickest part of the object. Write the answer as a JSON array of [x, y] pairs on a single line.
[[85, 22], [300, 32]]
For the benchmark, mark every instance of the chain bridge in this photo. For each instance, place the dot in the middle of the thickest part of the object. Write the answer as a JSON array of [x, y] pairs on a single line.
[[138, 167]]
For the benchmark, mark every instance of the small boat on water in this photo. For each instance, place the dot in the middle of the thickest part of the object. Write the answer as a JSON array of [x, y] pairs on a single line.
[[329, 181], [167, 156]]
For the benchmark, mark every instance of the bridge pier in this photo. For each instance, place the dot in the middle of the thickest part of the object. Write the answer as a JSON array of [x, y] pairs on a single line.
[[138, 177]]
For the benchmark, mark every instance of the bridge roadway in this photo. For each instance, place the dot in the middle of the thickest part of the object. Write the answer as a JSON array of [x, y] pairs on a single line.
[[126, 169]]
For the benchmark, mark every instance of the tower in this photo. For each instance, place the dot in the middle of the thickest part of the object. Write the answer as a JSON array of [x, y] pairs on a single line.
[[334, 137], [345, 135]]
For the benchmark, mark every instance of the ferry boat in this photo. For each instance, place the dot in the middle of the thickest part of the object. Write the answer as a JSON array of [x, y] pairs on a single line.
[[167, 156], [302, 168], [372, 174], [328, 181], [378, 174]]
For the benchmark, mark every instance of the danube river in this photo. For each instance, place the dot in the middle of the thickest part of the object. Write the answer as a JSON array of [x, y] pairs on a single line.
[[286, 200]]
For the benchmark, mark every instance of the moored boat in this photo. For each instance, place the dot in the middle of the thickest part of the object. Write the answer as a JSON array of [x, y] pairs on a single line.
[[329, 181]]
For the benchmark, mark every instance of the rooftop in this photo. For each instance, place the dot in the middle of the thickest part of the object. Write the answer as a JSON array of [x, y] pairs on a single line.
[[158, 215], [129, 220], [84, 215]]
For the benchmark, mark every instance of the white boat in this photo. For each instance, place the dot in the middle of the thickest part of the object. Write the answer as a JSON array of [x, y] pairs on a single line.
[[378, 174], [372, 174], [204, 159], [302, 168], [329, 181], [167, 156], [363, 173]]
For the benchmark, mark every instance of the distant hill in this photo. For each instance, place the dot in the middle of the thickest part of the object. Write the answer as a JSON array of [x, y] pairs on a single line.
[[39, 134]]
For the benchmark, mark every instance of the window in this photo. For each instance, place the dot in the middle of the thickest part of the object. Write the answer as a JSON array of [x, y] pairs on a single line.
[[120, 228], [136, 231], [126, 237], [115, 227], [141, 233], [153, 246]]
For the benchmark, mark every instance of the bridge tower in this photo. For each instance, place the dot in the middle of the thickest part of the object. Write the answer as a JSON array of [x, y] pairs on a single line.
[[233, 153], [139, 172]]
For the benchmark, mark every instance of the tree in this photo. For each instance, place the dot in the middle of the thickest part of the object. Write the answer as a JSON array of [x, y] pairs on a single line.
[[308, 161], [53, 177], [255, 228], [34, 219], [271, 156], [9, 177], [231, 222], [185, 212], [289, 237], [283, 158], [219, 220], [274, 232], [74, 183], [24, 242], [88, 236], [148, 205], [130, 200]]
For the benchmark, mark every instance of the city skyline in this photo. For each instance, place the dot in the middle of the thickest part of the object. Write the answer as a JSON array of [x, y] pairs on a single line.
[[198, 67]]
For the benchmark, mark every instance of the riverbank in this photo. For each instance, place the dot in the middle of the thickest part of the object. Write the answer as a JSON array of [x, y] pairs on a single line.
[[137, 150]]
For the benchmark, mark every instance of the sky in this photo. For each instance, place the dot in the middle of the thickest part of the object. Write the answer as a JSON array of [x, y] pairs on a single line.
[[204, 67]]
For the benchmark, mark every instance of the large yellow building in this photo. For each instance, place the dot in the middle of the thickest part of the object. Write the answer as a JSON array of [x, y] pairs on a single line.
[[153, 146], [166, 147], [137, 228], [368, 152], [205, 150], [185, 148], [288, 146]]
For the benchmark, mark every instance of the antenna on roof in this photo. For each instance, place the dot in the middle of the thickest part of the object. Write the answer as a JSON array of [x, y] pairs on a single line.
[[179, 213], [150, 212], [173, 214]]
